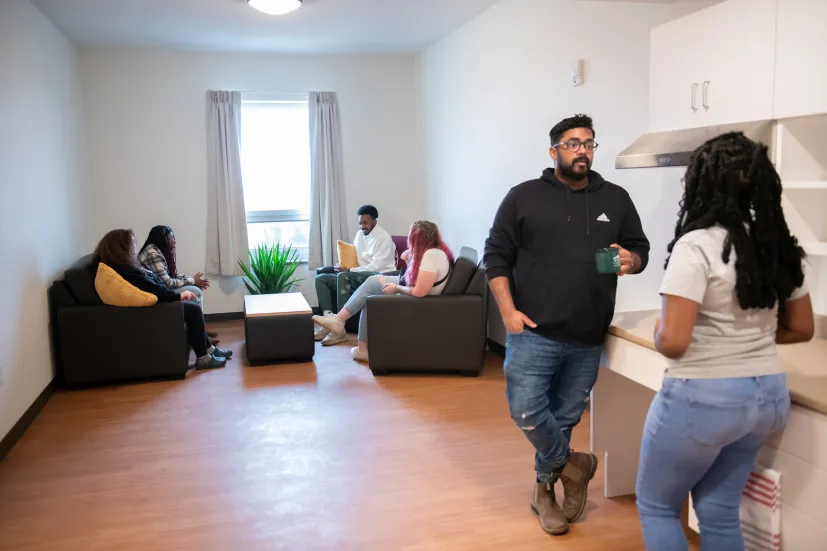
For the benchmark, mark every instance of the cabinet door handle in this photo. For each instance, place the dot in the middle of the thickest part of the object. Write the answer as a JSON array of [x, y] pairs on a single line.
[[694, 93], [705, 95]]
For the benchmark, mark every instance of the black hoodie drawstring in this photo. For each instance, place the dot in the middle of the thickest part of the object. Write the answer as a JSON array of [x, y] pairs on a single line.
[[588, 214], [588, 211]]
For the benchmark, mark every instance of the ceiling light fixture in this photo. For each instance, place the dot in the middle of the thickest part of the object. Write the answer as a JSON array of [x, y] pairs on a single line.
[[275, 7]]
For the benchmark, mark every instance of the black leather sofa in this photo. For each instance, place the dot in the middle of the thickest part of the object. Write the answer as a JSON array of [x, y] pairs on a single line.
[[445, 333], [94, 343]]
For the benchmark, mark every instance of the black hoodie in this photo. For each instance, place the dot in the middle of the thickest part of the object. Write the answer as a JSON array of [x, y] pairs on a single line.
[[544, 239]]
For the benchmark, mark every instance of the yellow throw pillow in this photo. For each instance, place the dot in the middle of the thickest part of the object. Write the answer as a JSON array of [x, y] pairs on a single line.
[[347, 255], [116, 291]]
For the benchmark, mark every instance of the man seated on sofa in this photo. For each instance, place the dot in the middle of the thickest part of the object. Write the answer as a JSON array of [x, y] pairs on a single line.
[[376, 254]]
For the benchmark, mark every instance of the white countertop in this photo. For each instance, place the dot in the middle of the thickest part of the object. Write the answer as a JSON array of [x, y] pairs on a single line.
[[805, 363]]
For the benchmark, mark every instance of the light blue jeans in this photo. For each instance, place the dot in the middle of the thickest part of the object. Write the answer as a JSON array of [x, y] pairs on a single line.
[[547, 384], [359, 300], [702, 436]]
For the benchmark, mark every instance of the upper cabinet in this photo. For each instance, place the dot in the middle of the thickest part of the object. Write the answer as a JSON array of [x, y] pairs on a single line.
[[673, 96], [714, 66], [801, 58]]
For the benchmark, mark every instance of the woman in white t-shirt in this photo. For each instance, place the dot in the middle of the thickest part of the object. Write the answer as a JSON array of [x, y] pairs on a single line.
[[429, 264], [734, 288]]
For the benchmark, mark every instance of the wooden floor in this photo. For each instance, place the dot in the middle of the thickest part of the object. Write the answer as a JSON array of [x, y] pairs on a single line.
[[318, 456]]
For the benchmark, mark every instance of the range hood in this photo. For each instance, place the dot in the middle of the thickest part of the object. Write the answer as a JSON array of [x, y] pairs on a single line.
[[675, 147]]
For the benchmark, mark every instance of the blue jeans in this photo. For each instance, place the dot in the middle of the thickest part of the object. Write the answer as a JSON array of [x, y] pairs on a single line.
[[547, 385], [702, 436]]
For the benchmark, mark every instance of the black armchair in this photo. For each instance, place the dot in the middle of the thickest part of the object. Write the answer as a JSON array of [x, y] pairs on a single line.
[[445, 333], [95, 343]]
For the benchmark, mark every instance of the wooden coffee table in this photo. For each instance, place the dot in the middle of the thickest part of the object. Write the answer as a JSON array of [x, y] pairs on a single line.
[[278, 328]]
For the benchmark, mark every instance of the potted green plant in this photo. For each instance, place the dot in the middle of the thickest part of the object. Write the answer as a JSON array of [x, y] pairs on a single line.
[[271, 269]]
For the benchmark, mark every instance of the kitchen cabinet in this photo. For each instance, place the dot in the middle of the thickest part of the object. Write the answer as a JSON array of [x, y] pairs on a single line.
[[800, 68], [714, 66]]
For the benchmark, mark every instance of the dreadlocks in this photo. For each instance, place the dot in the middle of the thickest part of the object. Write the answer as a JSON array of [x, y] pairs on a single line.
[[163, 238], [731, 182]]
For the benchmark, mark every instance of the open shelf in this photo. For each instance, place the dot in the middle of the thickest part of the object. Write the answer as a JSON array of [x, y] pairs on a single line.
[[804, 185]]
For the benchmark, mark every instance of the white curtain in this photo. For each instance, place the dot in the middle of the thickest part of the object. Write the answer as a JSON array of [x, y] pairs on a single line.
[[327, 188], [226, 216]]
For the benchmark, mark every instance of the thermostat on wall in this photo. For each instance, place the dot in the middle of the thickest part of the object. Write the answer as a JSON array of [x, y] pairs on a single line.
[[578, 72]]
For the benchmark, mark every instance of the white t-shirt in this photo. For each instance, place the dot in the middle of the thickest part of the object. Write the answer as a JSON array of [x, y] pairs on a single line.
[[435, 260], [727, 342]]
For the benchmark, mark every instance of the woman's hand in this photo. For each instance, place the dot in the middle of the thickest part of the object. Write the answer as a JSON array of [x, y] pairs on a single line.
[[200, 281], [390, 289], [187, 296]]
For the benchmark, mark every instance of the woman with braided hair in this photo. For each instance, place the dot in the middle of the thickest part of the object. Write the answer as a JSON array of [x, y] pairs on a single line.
[[734, 288]]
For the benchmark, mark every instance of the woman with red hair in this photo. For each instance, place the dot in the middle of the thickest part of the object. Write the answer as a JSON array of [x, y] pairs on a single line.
[[429, 265]]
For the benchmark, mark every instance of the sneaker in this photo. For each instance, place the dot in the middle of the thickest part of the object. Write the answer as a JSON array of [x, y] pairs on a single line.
[[334, 338], [222, 353], [320, 334], [358, 355], [544, 505], [210, 361], [576, 476], [331, 322]]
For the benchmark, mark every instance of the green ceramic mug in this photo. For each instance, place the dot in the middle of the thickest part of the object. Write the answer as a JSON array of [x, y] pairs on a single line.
[[607, 260]]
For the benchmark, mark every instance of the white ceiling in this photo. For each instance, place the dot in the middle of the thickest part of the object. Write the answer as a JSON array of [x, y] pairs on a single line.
[[320, 26]]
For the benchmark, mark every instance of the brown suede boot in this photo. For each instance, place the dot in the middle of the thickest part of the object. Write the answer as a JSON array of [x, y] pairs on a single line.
[[576, 476], [545, 507]]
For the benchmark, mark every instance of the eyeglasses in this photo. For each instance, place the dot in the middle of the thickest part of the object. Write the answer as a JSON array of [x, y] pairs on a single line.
[[574, 145]]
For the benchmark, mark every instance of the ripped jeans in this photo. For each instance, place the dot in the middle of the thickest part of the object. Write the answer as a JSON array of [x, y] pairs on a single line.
[[547, 386]]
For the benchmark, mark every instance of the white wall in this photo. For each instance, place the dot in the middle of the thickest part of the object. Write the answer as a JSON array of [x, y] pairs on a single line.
[[492, 90], [146, 134], [41, 193]]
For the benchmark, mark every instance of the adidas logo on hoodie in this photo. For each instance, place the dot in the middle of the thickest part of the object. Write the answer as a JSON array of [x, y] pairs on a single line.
[[603, 218]]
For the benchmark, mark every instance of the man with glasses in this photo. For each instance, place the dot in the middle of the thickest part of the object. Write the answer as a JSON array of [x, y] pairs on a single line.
[[556, 306]]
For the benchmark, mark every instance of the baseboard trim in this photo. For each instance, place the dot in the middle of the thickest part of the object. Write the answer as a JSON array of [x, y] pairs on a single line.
[[224, 316], [19, 428], [496, 348]]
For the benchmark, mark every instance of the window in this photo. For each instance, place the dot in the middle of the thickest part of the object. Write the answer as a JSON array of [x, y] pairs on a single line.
[[275, 168]]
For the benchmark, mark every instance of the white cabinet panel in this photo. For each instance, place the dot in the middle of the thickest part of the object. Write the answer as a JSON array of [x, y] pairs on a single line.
[[672, 62], [801, 58], [726, 51], [736, 43]]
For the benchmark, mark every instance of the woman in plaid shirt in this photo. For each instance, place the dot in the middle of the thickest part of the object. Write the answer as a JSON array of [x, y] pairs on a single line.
[[158, 256]]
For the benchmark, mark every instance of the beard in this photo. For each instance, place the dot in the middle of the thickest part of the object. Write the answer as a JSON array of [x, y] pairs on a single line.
[[576, 173]]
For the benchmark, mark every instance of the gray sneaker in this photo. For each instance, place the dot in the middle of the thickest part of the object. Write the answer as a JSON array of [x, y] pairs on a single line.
[[210, 362], [320, 334], [334, 338]]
